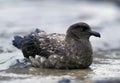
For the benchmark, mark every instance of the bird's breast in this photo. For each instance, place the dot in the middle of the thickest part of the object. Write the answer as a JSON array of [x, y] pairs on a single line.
[[79, 52]]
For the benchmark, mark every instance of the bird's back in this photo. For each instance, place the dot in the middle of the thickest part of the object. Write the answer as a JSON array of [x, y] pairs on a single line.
[[44, 44], [51, 44]]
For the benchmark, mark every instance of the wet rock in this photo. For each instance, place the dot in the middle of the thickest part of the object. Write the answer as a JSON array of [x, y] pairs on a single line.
[[64, 80]]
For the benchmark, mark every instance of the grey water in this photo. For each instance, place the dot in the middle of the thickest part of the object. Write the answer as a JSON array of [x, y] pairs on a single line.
[[20, 17]]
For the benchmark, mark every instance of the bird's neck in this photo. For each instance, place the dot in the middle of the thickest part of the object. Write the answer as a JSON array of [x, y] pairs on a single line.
[[79, 51], [75, 41]]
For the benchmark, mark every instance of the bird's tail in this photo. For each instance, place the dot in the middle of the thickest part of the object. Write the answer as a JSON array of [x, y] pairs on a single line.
[[17, 42]]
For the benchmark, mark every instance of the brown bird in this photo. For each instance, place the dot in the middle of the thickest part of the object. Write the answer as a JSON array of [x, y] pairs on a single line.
[[70, 51]]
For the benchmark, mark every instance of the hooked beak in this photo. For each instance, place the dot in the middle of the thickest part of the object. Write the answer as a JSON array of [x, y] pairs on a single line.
[[94, 33]]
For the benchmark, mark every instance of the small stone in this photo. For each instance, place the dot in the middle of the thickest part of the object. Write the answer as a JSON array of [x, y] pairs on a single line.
[[64, 80]]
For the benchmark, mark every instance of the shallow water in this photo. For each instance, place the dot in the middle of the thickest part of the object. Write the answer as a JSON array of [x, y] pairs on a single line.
[[21, 17]]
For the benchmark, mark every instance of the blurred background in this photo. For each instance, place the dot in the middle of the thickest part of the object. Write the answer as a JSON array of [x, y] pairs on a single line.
[[20, 17]]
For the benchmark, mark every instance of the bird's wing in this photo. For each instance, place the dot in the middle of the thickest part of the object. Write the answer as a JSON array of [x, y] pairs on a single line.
[[58, 42]]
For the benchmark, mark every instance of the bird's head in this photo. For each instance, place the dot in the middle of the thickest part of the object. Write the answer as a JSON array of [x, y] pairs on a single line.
[[81, 30]]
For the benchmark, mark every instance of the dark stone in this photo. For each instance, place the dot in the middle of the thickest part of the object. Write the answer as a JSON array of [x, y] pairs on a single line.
[[64, 80]]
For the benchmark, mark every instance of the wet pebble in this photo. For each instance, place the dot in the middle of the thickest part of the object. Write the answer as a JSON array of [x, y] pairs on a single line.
[[64, 80]]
